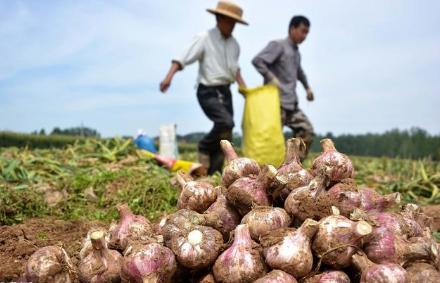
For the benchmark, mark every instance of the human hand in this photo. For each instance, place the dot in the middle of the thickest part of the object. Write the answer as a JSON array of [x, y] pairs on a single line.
[[310, 96], [165, 84], [242, 90], [275, 82]]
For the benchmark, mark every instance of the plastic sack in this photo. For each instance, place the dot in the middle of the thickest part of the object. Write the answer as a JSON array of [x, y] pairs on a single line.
[[168, 142], [192, 168], [263, 138], [144, 142]]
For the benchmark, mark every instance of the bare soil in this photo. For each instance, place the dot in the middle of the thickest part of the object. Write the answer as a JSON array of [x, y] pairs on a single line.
[[18, 242], [434, 212]]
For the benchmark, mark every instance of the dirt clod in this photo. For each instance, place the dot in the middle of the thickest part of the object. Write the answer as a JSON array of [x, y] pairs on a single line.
[[19, 242]]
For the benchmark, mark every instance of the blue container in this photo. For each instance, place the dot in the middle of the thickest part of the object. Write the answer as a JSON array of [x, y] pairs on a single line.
[[144, 142]]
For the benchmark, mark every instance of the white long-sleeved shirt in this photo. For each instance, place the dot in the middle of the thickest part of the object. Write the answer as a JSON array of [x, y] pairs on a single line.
[[217, 56]]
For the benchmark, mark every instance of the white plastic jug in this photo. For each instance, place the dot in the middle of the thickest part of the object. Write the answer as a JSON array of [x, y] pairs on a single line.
[[168, 141]]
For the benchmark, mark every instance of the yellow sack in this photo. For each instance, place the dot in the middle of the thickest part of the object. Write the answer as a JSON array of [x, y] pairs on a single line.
[[263, 138]]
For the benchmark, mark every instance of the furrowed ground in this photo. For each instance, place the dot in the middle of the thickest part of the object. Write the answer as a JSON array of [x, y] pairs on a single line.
[[54, 196]]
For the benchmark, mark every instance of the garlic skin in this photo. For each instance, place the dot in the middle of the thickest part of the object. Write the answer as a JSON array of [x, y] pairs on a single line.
[[86, 246], [241, 262], [148, 263], [196, 248], [334, 165], [329, 277], [348, 197], [386, 246], [290, 250], [264, 219], [247, 192], [101, 265], [228, 216], [50, 264], [277, 276], [338, 238], [186, 220], [378, 273], [130, 227], [291, 174], [236, 167], [310, 201], [195, 195]]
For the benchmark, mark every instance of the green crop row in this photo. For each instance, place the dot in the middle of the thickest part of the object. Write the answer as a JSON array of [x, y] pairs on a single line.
[[12, 139], [87, 179]]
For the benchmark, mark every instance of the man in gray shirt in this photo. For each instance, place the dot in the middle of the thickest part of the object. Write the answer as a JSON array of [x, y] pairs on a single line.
[[280, 64]]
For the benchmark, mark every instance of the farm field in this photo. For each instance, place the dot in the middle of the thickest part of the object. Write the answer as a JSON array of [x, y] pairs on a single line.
[[54, 196]]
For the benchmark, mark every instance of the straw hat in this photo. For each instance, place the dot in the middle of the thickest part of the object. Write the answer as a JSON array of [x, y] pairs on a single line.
[[230, 10]]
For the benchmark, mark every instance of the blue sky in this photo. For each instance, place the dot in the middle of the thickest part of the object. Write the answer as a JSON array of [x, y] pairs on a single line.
[[373, 65]]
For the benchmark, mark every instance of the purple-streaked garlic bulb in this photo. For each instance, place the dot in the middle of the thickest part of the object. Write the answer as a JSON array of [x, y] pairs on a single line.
[[277, 276], [50, 264], [130, 227], [331, 276], [291, 174], [197, 248], [195, 195], [241, 262], [185, 219], [335, 165], [102, 264], [148, 263], [347, 197], [263, 219], [400, 237], [290, 250], [247, 192], [226, 213], [309, 201], [397, 222], [378, 273], [385, 245], [236, 167], [422, 272], [338, 238]]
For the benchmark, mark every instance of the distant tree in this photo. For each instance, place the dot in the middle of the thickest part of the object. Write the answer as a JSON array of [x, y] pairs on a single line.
[[76, 131], [329, 135], [42, 132], [56, 131]]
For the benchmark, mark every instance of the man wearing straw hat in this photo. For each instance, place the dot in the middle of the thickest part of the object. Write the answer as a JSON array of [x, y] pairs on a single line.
[[217, 52]]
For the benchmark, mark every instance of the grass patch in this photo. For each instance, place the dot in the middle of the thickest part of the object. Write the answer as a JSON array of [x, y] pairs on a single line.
[[93, 176]]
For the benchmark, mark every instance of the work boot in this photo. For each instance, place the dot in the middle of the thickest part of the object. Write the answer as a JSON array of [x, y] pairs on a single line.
[[204, 160], [216, 162]]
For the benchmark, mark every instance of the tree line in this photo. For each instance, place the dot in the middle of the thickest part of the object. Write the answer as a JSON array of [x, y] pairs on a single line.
[[415, 143], [74, 131]]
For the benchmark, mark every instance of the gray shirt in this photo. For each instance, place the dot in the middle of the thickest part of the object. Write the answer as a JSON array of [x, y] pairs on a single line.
[[281, 59]]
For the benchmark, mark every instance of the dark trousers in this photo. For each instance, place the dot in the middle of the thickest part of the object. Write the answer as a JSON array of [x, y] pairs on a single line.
[[216, 102]]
